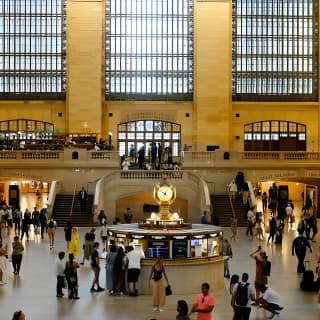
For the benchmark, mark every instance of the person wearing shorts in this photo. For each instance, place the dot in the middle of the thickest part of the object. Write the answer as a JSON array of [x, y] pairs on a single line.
[[134, 265]]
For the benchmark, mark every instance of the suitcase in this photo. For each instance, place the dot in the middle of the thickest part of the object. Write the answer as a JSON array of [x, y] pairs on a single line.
[[308, 283], [278, 238]]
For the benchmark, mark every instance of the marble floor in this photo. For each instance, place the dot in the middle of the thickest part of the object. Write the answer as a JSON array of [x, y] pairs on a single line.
[[34, 290]]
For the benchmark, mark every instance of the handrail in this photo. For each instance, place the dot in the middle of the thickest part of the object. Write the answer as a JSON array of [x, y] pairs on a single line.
[[74, 192], [52, 196]]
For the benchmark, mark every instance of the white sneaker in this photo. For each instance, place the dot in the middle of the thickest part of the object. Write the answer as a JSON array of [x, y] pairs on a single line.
[[160, 310], [154, 309]]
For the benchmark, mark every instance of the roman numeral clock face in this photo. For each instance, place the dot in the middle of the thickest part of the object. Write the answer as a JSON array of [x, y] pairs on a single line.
[[165, 193]]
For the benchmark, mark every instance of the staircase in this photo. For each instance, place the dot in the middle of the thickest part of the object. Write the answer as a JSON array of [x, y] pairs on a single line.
[[62, 207], [221, 205]]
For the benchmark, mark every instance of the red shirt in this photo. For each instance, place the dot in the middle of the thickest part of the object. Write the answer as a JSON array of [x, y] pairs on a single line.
[[204, 302]]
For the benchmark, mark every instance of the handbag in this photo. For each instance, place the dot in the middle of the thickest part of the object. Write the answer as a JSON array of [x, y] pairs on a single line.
[[168, 290]]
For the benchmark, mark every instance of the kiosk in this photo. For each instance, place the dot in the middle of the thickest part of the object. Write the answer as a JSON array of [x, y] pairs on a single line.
[[191, 252]]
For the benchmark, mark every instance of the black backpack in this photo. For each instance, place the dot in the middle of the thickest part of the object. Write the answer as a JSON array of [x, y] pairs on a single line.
[[268, 268], [242, 297]]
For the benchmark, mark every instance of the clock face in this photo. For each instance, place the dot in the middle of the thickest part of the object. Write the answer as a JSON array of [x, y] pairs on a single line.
[[165, 193]]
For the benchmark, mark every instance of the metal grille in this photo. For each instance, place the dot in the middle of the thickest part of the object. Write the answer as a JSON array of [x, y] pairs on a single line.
[[275, 50], [32, 49], [149, 49]]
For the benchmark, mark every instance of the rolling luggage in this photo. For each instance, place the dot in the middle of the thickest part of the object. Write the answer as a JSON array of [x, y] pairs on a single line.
[[308, 283]]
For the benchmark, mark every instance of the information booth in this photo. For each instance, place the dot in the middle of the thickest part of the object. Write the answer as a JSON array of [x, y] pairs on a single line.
[[192, 254]]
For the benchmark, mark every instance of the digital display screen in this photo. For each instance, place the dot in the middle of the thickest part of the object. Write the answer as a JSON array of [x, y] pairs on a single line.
[[158, 249], [180, 249], [195, 242]]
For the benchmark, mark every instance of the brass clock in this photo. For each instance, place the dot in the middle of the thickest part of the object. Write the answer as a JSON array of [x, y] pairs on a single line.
[[164, 192]]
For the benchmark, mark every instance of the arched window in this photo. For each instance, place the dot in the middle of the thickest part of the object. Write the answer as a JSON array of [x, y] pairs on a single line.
[[18, 132], [143, 132], [275, 135]]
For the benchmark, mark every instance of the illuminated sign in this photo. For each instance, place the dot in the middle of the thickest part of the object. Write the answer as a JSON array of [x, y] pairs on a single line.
[[120, 235]]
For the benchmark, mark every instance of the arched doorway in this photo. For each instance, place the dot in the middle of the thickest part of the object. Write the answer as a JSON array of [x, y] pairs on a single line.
[[144, 132]]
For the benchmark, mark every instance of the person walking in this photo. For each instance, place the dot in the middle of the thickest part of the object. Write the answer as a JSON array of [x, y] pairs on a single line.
[[43, 221], [299, 247], [232, 190], [158, 274], [251, 222], [17, 251], [17, 217], [233, 227], [272, 229], [60, 267], [67, 233], [227, 254], [242, 295], [25, 225], [95, 265], [204, 303], [83, 197], [264, 199], [51, 230]]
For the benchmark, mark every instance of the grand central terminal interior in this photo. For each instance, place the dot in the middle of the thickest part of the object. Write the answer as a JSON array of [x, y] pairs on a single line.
[[116, 96]]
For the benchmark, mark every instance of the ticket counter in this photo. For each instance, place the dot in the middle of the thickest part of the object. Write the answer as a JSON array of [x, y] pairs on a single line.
[[191, 256]]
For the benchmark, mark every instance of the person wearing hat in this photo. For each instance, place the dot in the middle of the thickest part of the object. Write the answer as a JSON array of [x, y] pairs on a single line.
[[88, 246]]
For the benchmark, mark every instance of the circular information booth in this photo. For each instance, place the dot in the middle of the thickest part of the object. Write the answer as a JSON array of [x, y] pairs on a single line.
[[191, 255]]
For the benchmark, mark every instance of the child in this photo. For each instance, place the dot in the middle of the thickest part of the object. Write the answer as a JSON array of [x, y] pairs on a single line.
[[60, 266]]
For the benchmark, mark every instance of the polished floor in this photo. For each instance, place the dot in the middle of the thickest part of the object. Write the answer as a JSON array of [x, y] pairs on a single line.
[[34, 290]]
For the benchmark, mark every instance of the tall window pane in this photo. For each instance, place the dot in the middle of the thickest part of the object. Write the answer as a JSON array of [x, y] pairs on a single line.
[[32, 49], [275, 50], [149, 49]]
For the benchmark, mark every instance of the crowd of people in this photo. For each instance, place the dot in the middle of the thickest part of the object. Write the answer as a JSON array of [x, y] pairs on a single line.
[[122, 264]]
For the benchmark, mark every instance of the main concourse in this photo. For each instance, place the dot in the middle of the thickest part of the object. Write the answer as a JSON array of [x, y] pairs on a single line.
[[33, 291]]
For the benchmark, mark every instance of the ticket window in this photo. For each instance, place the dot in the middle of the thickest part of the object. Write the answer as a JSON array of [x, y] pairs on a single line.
[[214, 245], [198, 248]]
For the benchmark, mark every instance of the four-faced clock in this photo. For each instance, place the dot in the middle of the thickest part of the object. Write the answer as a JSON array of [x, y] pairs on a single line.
[[165, 193]]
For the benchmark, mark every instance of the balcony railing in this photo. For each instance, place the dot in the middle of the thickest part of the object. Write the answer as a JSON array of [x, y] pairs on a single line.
[[110, 159]]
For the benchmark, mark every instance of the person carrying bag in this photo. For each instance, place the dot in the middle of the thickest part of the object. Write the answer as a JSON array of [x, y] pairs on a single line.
[[158, 277]]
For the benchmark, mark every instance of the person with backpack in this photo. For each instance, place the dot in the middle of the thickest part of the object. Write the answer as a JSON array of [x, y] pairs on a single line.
[[242, 295], [51, 230], [261, 278]]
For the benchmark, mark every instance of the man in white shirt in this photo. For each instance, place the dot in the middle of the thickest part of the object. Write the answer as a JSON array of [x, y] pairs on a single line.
[[270, 301], [134, 257]]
